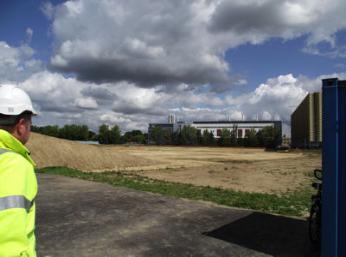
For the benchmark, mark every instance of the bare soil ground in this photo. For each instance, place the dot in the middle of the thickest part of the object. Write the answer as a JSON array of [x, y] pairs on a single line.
[[243, 169]]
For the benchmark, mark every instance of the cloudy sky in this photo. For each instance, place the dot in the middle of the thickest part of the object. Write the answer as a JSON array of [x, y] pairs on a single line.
[[130, 62]]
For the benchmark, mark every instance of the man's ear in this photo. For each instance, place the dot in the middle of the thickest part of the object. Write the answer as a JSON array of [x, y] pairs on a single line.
[[21, 127]]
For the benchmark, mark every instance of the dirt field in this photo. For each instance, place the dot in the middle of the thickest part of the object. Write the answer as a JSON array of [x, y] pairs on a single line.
[[244, 169]]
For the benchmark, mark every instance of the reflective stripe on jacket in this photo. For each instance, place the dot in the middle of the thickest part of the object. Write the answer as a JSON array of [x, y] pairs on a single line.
[[18, 189]]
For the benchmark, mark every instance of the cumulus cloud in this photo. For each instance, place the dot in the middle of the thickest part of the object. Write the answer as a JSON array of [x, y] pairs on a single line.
[[62, 100], [48, 9], [274, 99], [332, 51], [133, 62], [151, 43], [265, 18], [17, 63], [29, 34], [86, 103], [143, 42], [53, 92], [278, 97], [125, 122], [257, 20]]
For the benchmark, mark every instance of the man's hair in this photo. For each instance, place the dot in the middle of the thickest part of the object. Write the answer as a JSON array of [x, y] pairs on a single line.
[[8, 122]]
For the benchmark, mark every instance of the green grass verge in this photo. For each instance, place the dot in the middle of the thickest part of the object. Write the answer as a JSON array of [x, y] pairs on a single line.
[[294, 203]]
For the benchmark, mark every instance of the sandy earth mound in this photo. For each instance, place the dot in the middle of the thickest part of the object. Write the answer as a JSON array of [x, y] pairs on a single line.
[[243, 169], [49, 151]]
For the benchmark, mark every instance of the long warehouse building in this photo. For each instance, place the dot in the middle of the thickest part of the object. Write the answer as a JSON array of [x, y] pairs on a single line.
[[306, 122], [242, 128]]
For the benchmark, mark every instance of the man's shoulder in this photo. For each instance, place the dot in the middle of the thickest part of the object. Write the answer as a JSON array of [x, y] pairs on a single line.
[[16, 173], [13, 158]]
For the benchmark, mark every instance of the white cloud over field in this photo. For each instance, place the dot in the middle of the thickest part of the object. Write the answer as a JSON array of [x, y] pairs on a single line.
[[69, 100], [17, 63], [155, 42]]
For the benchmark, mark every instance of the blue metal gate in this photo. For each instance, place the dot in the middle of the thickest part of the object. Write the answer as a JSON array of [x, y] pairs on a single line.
[[334, 169]]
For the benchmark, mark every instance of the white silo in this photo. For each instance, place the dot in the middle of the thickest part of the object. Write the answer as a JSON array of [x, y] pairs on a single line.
[[171, 119]]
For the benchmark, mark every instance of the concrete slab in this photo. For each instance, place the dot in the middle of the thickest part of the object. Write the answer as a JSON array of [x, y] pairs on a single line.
[[82, 218]]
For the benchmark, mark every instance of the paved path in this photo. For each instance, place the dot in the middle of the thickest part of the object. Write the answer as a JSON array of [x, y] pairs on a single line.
[[82, 218]]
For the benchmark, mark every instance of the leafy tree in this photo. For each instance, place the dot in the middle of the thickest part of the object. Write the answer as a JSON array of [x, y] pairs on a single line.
[[50, 130], [211, 139], [103, 134], [158, 135], [208, 138], [233, 139], [269, 137], [225, 137], [74, 132], [47, 130], [140, 139], [199, 137], [145, 138], [188, 135], [167, 137], [134, 136], [241, 141], [109, 135], [176, 138], [114, 135], [251, 139], [92, 136]]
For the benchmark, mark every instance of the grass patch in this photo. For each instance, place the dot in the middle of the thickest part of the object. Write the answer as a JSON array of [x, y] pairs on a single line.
[[293, 203]]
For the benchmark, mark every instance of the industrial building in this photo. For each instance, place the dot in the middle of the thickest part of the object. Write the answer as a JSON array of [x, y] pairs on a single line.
[[169, 127], [215, 127], [306, 122], [241, 127]]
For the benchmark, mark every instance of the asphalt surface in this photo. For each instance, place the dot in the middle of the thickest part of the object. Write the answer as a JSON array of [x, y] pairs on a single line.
[[82, 218]]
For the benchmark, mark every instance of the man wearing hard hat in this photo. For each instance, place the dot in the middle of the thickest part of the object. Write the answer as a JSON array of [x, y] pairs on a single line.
[[18, 185]]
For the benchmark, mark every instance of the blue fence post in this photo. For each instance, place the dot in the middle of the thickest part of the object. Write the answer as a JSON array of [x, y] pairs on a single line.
[[333, 165], [342, 168]]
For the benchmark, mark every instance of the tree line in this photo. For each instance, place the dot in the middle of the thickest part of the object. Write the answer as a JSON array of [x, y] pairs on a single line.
[[269, 137], [106, 134], [112, 135], [71, 132]]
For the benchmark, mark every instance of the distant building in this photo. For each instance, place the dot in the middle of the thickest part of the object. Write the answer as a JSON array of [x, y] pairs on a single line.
[[286, 140], [169, 127], [215, 127], [241, 127], [171, 119], [306, 122]]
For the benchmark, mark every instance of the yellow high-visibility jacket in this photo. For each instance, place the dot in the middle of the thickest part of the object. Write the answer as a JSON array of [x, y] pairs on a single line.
[[18, 189]]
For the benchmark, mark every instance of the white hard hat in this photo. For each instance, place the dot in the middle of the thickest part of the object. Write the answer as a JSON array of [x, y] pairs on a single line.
[[14, 101]]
